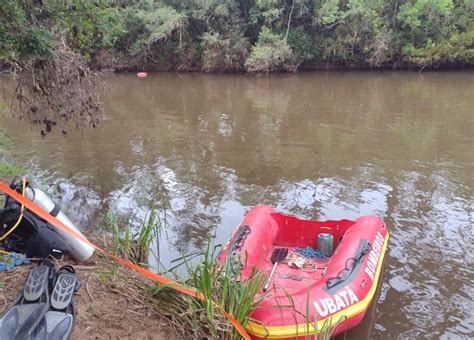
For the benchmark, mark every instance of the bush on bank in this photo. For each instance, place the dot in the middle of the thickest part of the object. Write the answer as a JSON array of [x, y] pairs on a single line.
[[270, 53]]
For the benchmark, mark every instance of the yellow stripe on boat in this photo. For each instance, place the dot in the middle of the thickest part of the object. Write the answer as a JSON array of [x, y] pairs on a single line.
[[272, 332]]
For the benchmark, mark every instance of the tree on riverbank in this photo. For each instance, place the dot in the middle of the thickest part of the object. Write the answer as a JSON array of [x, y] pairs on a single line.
[[54, 84], [229, 35]]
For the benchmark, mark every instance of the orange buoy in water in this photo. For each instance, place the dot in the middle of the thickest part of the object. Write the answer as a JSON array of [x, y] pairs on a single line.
[[142, 74]]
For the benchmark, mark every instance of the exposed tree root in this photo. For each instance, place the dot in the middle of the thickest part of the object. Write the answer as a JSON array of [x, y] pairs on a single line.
[[58, 91]]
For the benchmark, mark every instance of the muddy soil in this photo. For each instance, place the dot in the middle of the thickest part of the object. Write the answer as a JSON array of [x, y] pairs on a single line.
[[106, 307]]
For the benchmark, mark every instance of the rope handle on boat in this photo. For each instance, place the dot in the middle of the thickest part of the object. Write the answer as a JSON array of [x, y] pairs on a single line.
[[239, 239], [142, 271], [344, 272], [235, 247]]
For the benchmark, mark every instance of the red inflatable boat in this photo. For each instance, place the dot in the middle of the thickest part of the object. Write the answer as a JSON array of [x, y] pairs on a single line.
[[328, 274]]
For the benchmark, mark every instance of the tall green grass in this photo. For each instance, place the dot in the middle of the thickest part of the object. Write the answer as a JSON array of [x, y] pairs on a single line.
[[132, 238], [224, 284], [223, 289]]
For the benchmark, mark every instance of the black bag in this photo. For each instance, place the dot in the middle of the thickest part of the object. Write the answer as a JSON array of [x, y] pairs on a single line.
[[33, 236]]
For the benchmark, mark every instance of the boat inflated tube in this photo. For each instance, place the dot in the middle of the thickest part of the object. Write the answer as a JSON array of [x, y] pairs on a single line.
[[78, 249]]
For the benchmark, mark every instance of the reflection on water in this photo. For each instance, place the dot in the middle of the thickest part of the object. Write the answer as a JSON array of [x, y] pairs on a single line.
[[319, 145]]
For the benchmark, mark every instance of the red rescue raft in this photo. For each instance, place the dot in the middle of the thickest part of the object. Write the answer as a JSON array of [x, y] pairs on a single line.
[[336, 290]]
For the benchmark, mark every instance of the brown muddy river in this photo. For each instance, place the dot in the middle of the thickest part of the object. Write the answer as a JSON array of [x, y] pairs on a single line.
[[317, 145]]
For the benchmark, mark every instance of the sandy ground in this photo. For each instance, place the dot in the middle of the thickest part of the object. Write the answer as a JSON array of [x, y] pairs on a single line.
[[106, 307]]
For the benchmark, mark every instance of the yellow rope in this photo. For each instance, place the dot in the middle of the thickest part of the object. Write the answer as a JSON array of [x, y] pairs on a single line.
[[23, 188]]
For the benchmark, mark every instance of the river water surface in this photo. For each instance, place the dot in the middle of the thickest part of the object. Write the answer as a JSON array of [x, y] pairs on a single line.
[[317, 145]]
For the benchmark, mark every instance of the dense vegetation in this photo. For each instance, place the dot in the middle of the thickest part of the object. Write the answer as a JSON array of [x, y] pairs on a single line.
[[245, 35]]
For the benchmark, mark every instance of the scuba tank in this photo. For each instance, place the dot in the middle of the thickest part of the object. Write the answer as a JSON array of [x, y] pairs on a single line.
[[78, 249], [23, 231]]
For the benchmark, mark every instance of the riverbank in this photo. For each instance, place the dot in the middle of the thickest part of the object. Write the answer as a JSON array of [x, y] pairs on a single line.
[[119, 62], [125, 65], [303, 68], [111, 303]]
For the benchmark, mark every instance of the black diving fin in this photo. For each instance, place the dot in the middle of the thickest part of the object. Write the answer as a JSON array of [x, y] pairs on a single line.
[[28, 310], [59, 320]]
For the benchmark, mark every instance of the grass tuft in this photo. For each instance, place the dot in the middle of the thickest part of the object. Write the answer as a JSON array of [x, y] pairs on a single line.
[[130, 241], [223, 289]]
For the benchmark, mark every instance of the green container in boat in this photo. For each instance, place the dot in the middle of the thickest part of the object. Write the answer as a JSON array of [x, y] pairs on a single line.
[[325, 244]]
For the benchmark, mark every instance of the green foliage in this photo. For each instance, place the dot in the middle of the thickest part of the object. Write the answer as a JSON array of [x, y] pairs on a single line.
[[225, 46], [160, 23], [271, 53], [329, 12], [94, 25], [18, 39], [352, 33], [424, 15], [459, 48], [224, 54], [217, 35], [431, 32], [301, 43], [10, 170], [35, 43], [152, 32], [268, 11]]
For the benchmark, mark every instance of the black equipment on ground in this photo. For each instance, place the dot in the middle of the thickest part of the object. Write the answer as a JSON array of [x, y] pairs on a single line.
[[31, 235]]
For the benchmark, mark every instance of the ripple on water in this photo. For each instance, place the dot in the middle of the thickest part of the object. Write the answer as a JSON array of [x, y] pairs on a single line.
[[322, 145]]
